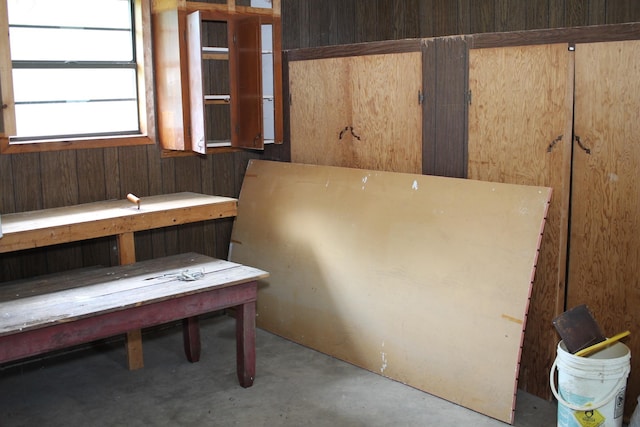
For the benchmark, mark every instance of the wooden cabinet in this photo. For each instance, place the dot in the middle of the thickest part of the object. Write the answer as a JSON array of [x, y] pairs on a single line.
[[210, 75], [361, 111], [604, 254], [520, 133], [565, 116]]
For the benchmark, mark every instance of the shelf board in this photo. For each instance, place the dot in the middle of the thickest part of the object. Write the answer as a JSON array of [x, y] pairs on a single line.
[[215, 53], [228, 10], [217, 99]]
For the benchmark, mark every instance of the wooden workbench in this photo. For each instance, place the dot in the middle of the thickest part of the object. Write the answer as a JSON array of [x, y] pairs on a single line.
[[60, 310], [120, 218]]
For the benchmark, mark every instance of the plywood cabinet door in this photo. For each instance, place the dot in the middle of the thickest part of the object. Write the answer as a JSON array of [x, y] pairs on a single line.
[[361, 112], [520, 133], [604, 257]]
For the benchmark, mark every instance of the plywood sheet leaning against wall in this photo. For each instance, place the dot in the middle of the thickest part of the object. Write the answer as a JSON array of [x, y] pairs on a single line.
[[422, 279]]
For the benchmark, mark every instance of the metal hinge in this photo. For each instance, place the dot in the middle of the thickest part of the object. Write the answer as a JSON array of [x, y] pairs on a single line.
[[467, 97], [420, 97]]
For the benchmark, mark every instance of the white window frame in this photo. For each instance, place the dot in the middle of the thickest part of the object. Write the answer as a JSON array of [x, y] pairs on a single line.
[[146, 106]]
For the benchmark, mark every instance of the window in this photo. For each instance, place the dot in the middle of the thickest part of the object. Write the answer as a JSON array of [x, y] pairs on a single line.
[[75, 74]]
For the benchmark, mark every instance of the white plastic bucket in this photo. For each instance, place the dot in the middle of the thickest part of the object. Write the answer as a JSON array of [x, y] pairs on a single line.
[[591, 389]]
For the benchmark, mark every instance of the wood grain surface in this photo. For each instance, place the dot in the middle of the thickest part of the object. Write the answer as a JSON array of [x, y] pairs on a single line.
[[422, 279]]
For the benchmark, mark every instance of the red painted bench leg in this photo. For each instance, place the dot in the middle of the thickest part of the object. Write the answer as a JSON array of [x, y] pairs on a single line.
[[246, 343], [191, 338]]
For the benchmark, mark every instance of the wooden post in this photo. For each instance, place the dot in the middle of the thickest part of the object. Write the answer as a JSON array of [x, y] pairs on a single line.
[[127, 255]]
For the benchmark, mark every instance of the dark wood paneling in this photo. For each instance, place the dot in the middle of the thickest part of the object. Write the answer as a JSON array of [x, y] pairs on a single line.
[[188, 177], [451, 107], [59, 175], [411, 18], [377, 20], [391, 20], [445, 110], [112, 172], [446, 17], [366, 21], [322, 23], [429, 75], [92, 188], [510, 16], [134, 173], [90, 166], [600, 33], [619, 11], [155, 171], [576, 13], [426, 17], [596, 12], [10, 266], [345, 17], [537, 14], [482, 15], [169, 186], [464, 16], [27, 182], [557, 14], [291, 19], [7, 201], [225, 182]]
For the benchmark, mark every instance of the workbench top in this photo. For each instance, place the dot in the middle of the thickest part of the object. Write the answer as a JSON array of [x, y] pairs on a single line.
[[25, 230]]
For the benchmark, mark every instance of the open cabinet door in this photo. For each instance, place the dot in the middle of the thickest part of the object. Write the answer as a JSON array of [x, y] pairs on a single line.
[[245, 65], [7, 114], [196, 77], [319, 111], [604, 257], [520, 133]]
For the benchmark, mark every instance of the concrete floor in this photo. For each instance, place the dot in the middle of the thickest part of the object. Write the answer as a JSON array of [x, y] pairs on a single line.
[[295, 386]]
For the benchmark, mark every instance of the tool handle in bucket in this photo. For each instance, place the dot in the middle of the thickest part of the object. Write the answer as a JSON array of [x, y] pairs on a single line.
[[591, 406]]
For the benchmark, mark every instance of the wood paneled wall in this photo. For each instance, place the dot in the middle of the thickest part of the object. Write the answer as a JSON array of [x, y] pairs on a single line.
[[311, 23], [51, 179]]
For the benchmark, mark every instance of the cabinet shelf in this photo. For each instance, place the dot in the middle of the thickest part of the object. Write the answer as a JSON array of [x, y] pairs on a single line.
[[217, 99], [226, 68], [215, 53]]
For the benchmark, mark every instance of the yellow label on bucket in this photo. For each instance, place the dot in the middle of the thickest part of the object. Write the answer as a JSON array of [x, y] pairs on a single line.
[[589, 418]]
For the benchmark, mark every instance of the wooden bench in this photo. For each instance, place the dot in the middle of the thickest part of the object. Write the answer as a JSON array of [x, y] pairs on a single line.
[[55, 226], [57, 311]]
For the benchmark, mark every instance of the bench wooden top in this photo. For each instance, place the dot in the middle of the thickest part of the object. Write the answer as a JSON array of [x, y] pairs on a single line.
[[26, 230], [103, 290]]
